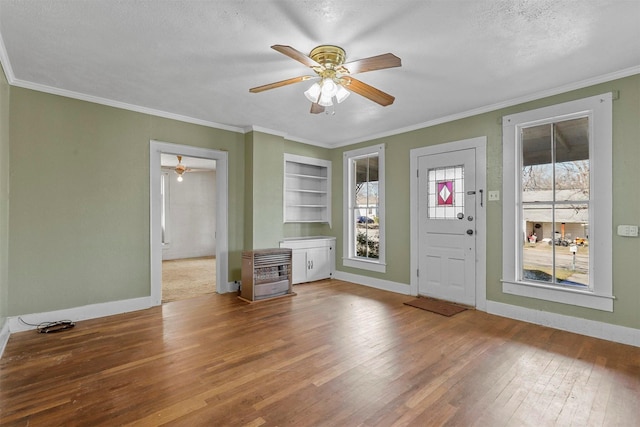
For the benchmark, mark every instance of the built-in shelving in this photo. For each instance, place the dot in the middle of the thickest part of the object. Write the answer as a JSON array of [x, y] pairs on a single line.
[[307, 188]]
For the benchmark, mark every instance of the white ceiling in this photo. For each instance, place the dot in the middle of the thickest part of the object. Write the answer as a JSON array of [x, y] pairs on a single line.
[[196, 60]]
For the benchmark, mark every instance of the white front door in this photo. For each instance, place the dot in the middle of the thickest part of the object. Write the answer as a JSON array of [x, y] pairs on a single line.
[[446, 221]]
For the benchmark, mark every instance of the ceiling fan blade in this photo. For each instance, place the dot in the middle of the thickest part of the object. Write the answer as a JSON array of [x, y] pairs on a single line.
[[316, 108], [295, 54], [369, 92], [280, 84], [380, 62]]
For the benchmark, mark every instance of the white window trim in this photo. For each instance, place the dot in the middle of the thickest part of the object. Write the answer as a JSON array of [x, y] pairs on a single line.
[[349, 259], [600, 292]]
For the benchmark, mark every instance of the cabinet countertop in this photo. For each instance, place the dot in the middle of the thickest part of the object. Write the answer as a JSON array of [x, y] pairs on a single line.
[[293, 239]]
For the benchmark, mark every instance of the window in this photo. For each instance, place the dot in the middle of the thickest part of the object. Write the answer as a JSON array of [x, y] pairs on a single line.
[[364, 209], [557, 203], [164, 212]]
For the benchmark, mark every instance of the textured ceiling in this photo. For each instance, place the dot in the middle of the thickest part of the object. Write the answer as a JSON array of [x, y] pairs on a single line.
[[196, 60]]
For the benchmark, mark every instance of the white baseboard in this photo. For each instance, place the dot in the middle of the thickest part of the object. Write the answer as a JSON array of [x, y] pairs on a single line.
[[385, 285], [4, 336], [591, 328], [75, 314]]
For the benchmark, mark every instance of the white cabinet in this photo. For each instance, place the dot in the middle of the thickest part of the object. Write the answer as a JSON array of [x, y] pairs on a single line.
[[307, 189], [313, 258]]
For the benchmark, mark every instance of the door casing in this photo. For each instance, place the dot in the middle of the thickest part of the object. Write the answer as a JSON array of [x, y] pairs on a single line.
[[222, 191], [479, 144]]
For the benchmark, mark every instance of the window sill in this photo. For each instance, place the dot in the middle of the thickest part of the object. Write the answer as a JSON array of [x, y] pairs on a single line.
[[569, 296], [364, 265]]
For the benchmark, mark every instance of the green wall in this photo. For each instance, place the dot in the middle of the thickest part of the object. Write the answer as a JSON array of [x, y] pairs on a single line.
[[265, 197], [4, 198], [264, 177], [626, 198], [79, 211]]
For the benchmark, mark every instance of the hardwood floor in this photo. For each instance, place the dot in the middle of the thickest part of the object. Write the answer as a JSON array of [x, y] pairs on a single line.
[[337, 354]]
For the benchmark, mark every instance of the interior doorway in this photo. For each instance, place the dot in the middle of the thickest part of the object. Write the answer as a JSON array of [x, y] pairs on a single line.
[[188, 222], [181, 239]]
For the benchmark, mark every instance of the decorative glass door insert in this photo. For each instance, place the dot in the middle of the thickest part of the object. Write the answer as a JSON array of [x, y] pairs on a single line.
[[445, 188]]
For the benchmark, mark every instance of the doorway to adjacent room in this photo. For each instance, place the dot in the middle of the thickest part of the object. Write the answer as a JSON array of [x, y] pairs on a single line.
[[189, 223]]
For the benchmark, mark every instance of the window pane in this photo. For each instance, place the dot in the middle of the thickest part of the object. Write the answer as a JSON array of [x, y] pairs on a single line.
[[572, 244], [164, 190], [555, 202], [556, 252], [572, 159], [537, 254], [365, 213], [367, 234], [537, 170]]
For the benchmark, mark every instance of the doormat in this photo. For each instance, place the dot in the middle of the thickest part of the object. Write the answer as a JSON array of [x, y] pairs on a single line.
[[436, 306]]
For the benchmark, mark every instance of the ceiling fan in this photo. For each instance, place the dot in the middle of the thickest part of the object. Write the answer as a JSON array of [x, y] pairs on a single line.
[[181, 169], [327, 61]]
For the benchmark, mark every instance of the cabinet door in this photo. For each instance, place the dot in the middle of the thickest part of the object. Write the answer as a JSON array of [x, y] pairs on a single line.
[[299, 266], [318, 264]]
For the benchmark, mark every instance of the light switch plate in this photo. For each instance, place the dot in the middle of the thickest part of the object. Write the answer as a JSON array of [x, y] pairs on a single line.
[[628, 230], [494, 195]]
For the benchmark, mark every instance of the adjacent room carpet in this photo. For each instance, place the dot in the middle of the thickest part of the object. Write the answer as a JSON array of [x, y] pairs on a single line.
[[436, 306], [188, 278]]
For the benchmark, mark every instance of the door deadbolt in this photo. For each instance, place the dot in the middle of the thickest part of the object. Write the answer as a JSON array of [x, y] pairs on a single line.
[[469, 232]]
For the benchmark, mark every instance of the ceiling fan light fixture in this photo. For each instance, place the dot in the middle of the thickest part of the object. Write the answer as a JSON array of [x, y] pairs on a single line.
[[342, 94], [313, 92], [328, 63], [180, 178], [329, 88], [325, 100]]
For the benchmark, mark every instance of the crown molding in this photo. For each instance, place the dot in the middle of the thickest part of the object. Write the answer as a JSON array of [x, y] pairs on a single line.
[[13, 81], [122, 105], [284, 135], [504, 104], [4, 60]]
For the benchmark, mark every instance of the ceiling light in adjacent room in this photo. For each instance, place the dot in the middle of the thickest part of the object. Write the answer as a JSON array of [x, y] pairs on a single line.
[[180, 169]]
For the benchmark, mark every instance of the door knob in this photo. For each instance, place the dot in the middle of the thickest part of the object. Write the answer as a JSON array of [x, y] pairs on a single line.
[[469, 232]]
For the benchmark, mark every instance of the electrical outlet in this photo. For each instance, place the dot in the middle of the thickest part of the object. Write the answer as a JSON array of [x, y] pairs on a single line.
[[628, 230], [494, 195]]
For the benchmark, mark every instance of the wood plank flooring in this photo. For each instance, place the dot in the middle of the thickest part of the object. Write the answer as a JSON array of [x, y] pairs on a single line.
[[337, 354]]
